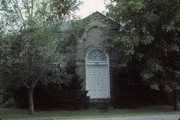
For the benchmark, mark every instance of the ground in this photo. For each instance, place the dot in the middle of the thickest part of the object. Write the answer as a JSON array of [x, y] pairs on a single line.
[[145, 117], [144, 113]]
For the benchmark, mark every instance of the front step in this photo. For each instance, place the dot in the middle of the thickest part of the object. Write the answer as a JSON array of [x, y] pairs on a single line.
[[101, 104]]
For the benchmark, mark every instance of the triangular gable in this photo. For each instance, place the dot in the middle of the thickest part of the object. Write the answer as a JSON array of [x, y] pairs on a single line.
[[65, 26], [99, 16]]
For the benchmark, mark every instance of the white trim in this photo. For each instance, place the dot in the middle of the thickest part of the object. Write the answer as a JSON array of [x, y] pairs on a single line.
[[98, 63]]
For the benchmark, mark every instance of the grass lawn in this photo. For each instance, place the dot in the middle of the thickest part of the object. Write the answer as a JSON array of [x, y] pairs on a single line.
[[21, 114]]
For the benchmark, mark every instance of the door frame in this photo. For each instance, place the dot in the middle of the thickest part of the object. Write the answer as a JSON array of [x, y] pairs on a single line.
[[95, 64]]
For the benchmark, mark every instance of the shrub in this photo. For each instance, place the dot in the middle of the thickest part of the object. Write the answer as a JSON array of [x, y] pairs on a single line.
[[68, 95], [130, 92]]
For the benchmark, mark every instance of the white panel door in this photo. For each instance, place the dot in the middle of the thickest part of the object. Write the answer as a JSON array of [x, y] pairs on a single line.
[[97, 81]]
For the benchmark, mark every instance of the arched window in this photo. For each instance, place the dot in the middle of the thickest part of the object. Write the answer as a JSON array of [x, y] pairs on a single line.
[[96, 56]]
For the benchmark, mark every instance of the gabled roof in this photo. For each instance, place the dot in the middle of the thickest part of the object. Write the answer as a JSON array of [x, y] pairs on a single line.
[[98, 15], [65, 26]]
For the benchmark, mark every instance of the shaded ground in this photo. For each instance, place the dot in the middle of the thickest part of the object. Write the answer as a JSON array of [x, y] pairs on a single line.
[[146, 117], [94, 114]]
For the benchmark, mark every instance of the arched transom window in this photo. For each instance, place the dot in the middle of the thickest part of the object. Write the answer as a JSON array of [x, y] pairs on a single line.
[[96, 56]]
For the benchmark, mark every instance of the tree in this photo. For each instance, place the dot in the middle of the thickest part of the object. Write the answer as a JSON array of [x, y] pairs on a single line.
[[67, 95], [30, 42], [149, 39]]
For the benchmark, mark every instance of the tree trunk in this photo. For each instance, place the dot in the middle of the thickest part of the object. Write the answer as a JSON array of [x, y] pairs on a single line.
[[176, 99], [30, 100]]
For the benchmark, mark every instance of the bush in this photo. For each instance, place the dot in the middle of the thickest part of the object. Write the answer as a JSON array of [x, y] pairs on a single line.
[[61, 96], [130, 92], [69, 96]]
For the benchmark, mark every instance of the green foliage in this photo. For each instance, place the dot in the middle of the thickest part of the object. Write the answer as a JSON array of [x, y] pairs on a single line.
[[59, 8], [19, 14], [71, 34], [130, 92], [62, 96], [150, 37], [32, 52], [30, 41]]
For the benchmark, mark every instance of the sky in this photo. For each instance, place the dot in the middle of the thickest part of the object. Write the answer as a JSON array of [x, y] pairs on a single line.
[[90, 6]]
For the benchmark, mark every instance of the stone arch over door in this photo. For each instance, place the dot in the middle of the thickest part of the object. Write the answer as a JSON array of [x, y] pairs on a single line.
[[97, 74]]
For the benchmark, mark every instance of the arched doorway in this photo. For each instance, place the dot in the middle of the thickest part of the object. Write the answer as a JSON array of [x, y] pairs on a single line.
[[97, 74]]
